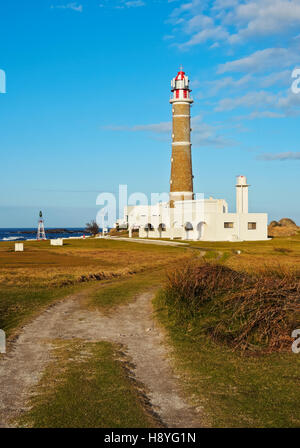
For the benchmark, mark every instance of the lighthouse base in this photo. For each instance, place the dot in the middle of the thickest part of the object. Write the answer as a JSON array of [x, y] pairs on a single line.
[[194, 219], [181, 196]]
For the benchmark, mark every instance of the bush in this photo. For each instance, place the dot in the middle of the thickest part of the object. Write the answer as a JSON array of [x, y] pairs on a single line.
[[251, 312], [92, 227], [194, 284]]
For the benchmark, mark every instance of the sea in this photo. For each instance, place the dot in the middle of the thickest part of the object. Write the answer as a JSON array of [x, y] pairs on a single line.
[[29, 234]]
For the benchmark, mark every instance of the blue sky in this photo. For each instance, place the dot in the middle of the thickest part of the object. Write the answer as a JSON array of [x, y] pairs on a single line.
[[87, 102]]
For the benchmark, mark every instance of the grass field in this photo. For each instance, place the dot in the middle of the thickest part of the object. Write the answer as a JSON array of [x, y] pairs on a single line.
[[123, 290], [232, 388], [42, 274], [278, 252], [87, 386], [44, 265], [231, 334]]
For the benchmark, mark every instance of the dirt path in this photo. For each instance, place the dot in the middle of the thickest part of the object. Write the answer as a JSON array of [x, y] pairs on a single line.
[[147, 241], [131, 325]]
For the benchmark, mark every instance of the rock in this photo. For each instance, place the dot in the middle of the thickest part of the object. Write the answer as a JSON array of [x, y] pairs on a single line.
[[287, 222], [284, 228], [274, 224]]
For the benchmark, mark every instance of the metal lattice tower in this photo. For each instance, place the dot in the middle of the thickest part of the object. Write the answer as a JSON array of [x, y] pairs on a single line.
[[41, 229]]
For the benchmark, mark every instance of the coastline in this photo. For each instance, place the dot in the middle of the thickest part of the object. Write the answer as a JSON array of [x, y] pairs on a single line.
[[29, 234]]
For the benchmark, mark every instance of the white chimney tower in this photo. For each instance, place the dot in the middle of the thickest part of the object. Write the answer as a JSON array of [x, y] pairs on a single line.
[[241, 194]]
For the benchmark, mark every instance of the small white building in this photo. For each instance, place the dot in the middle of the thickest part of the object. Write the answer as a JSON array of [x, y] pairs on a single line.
[[19, 247], [57, 242], [199, 219]]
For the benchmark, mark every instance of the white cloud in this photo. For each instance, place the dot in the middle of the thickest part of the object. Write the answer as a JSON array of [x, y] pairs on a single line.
[[135, 3], [214, 33], [224, 4], [280, 156], [228, 82], [236, 21], [168, 37], [215, 45], [197, 22], [74, 6], [203, 134], [122, 4], [270, 58], [264, 18], [158, 128], [201, 27], [290, 103], [250, 99], [232, 84], [283, 78], [285, 104], [260, 114]]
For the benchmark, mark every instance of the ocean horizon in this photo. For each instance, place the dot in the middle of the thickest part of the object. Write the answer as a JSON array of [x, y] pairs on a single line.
[[30, 233]]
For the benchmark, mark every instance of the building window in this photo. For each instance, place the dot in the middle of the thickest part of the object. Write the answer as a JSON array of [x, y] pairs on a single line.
[[251, 225], [228, 225]]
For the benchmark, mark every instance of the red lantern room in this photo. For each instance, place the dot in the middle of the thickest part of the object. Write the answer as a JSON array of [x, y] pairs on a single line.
[[180, 88]]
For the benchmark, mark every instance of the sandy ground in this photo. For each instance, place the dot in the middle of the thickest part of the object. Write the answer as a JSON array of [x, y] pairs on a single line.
[[132, 325]]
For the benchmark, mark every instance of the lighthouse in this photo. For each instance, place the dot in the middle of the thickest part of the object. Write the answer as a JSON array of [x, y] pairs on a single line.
[[181, 181], [182, 215]]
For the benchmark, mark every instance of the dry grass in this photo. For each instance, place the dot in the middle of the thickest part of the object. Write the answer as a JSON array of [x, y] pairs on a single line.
[[230, 333], [278, 252], [43, 265], [262, 314], [34, 279], [257, 311]]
